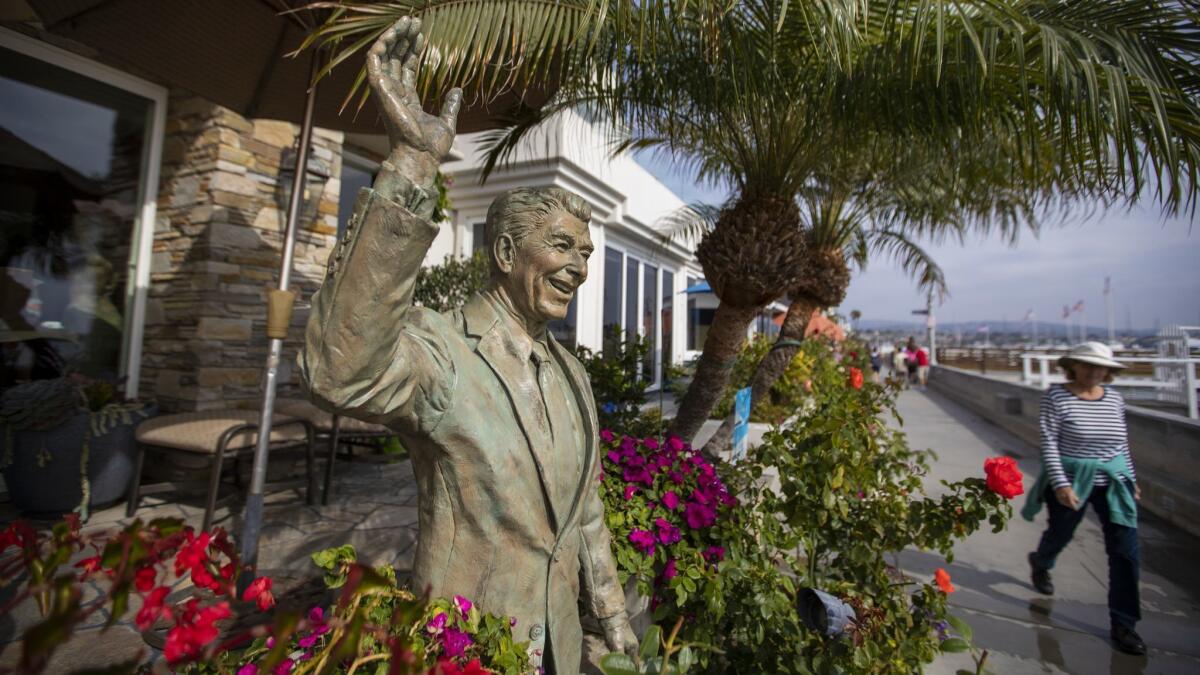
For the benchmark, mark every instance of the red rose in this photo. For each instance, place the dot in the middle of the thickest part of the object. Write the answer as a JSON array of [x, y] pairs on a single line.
[[856, 378], [1003, 476], [259, 591], [942, 577]]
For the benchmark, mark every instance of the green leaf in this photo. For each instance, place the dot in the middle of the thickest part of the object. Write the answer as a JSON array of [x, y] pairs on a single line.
[[618, 664], [954, 645], [961, 627], [651, 642]]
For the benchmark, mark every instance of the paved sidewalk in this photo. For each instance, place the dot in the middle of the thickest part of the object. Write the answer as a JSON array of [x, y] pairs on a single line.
[[1026, 632]]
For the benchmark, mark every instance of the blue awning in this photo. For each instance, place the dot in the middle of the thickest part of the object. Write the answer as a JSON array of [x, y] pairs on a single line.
[[701, 287]]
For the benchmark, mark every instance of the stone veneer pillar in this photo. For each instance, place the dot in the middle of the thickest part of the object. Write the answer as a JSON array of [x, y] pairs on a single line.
[[217, 246]]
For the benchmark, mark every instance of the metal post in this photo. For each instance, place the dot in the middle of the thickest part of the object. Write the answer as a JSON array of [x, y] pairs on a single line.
[[1189, 381], [1026, 368], [252, 517], [1044, 372], [931, 328]]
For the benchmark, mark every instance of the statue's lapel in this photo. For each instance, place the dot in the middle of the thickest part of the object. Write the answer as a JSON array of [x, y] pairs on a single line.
[[517, 379], [587, 408]]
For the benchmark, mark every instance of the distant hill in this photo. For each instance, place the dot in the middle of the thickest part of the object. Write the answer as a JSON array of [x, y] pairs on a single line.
[[1057, 330]]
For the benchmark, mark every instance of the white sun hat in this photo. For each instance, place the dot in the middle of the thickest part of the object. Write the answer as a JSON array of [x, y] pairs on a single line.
[[1096, 353]]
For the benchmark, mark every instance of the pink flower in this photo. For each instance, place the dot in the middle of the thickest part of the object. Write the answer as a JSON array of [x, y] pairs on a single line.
[[675, 443], [512, 622], [606, 435], [699, 515], [643, 541], [455, 642], [630, 491], [464, 605], [650, 443], [714, 554], [614, 456], [284, 667], [248, 669], [676, 477], [670, 500], [669, 572], [437, 624], [667, 533]]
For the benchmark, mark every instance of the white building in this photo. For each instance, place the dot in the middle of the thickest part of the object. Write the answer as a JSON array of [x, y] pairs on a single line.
[[637, 278]]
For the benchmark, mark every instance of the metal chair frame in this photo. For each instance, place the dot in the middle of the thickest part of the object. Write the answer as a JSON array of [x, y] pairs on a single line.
[[216, 463]]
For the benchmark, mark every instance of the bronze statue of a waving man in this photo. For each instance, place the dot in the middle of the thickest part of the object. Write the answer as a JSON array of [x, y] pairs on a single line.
[[497, 416]]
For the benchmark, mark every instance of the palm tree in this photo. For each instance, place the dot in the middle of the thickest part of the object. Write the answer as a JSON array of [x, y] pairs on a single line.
[[761, 94]]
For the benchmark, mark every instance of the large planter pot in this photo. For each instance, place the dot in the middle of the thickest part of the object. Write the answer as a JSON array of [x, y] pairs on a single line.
[[44, 475]]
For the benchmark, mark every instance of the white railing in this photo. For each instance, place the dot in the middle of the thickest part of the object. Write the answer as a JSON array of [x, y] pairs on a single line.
[[1187, 383]]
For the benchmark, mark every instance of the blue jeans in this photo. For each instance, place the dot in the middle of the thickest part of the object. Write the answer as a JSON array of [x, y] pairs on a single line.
[[1120, 543]]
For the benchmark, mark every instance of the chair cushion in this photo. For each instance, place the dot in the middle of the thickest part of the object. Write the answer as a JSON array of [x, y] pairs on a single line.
[[322, 420], [201, 431]]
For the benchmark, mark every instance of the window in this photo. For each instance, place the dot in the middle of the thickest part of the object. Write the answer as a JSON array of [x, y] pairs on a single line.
[[631, 299], [74, 158], [357, 173], [478, 237], [650, 318], [612, 294], [666, 319], [693, 339], [564, 329]]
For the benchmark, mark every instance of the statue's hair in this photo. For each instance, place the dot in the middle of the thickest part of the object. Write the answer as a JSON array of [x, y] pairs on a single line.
[[522, 210]]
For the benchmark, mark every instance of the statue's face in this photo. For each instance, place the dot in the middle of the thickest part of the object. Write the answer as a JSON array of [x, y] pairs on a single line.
[[548, 267]]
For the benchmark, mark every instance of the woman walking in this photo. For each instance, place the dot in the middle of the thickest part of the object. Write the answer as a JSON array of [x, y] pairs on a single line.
[[1086, 460]]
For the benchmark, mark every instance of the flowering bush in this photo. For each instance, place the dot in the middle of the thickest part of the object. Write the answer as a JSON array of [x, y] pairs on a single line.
[[823, 503], [374, 621]]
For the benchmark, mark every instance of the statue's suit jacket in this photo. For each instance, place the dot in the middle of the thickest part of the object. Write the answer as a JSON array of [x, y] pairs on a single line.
[[461, 402]]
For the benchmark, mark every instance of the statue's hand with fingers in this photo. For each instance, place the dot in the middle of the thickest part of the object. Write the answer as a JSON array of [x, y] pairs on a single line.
[[418, 140]]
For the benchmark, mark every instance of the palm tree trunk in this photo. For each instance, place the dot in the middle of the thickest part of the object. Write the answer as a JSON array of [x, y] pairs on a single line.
[[773, 365], [721, 349]]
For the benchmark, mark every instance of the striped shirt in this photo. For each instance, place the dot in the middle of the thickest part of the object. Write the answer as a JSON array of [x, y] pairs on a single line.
[[1083, 429]]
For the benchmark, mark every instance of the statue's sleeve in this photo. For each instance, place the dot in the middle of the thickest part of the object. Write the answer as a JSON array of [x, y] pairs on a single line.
[[601, 583], [368, 353]]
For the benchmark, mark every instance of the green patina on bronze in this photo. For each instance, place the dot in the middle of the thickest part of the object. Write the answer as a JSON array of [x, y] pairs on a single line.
[[498, 417]]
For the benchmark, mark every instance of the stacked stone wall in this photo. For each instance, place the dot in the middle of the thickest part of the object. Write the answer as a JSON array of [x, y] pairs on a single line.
[[217, 246]]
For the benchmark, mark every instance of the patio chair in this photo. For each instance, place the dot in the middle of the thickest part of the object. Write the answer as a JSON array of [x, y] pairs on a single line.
[[217, 435], [336, 430]]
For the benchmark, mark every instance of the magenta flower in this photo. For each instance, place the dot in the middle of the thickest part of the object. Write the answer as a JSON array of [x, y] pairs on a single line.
[[667, 533], [606, 435], [512, 622], [437, 624], [464, 605], [642, 541], [628, 445], [675, 443], [676, 477], [284, 667], [650, 443], [630, 491], [455, 642], [248, 669], [308, 640], [699, 515], [670, 500], [637, 474], [614, 456], [714, 554], [669, 572]]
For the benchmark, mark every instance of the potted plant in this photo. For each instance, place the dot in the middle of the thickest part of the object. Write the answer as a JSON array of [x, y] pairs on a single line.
[[68, 444]]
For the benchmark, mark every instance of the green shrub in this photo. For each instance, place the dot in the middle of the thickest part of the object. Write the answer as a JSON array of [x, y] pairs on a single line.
[[449, 285], [618, 389]]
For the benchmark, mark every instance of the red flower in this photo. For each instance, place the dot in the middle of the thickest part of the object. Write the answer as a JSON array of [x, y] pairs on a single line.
[[1003, 476], [145, 577], [194, 631], [153, 608], [856, 378], [89, 566], [942, 577], [259, 591]]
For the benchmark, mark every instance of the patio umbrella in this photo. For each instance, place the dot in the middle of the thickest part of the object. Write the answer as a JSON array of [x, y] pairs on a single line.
[[232, 52]]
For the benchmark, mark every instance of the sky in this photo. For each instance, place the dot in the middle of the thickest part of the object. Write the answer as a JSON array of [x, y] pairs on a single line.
[[1154, 264]]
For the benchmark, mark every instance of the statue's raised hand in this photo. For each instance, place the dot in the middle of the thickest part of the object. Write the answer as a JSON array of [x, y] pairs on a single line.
[[418, 140]]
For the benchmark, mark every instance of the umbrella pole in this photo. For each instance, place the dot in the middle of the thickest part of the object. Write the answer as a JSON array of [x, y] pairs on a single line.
[[253, 514]]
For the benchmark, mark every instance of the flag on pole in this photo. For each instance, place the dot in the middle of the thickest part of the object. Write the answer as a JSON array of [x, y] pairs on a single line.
[[1078, 307], [1066, 311], [983, 328], [1029, 316]]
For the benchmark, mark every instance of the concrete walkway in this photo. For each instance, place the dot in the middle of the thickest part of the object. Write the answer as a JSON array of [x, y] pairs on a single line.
[[1026, 632]]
